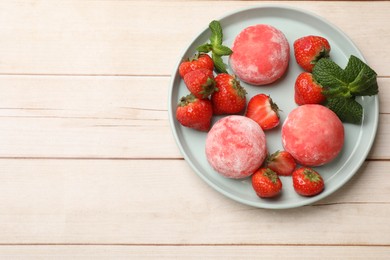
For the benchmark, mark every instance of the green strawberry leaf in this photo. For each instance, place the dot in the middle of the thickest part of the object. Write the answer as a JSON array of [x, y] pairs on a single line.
[[216, 33], [347, 109]]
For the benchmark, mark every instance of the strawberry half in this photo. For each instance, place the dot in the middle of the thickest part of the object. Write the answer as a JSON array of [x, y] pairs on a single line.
[[310, 49], [307, 90], [200, 82], [281, 162], [266, 183], [229, 96], [194, 113], [307, 182], [199, 61], [264, 111]]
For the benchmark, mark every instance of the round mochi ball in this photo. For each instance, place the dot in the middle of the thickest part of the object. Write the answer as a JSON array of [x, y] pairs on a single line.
[[261, 54], [236, 146], [313, 135]]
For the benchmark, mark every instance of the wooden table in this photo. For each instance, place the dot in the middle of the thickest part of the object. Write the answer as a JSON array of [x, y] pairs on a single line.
[[88, 163]]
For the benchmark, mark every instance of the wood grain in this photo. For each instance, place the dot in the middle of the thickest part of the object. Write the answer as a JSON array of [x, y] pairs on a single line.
[[122, 37], [164, 202]]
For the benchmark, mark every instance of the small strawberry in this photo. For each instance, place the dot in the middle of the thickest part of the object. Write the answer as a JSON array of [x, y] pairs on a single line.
[[194, 113], [307, 90], [310, 49], [281, 162], [307, 182], [229, 96], [266, 183], [199, 61], [264, 111], [200, 82]]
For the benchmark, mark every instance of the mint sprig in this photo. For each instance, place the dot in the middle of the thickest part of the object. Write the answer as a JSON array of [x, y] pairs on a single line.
[[216, 47], [342, 86]]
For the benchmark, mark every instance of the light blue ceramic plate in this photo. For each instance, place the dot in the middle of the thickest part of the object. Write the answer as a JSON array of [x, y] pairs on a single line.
[[294, 23]]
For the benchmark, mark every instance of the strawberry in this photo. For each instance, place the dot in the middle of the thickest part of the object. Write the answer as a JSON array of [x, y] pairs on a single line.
[[310, 49], [307, 182], [200, 82], [194, 113], [229, 96], [307, 90], [264, 111], [199, 61], [281, 162], [266, 183]]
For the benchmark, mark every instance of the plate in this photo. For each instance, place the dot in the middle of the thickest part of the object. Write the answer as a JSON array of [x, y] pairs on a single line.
[[294, 23]]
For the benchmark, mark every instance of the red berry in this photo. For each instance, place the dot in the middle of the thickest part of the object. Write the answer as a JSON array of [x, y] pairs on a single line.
[[307, 182], [194, 113], [200, 82], [266, 183], [199, 61], [264, 111], [229, 96], [307, 90], [282, 163], [309, 49]]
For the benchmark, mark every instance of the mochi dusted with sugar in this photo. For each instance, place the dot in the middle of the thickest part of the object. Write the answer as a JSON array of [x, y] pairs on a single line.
[[236, 146], [313, 135], [261, 54]]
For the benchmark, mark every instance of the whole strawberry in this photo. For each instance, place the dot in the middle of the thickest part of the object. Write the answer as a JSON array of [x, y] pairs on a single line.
[[307, 90], [200, 82], [199, 61], [229, 96], [264, 111], [194, 113], [309, 49], [266, 183], [307, 182], [281, 162]]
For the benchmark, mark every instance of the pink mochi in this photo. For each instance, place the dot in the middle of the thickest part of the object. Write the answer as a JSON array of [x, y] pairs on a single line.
[[313, 135], [261, 54], [236, 146]]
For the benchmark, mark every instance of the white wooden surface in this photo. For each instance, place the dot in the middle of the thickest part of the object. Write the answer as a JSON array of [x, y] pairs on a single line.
[[89, 167]]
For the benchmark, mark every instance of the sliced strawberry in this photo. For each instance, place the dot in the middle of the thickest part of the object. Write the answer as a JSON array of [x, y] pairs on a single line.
[[264, 111], [194, 113], [281, 162]]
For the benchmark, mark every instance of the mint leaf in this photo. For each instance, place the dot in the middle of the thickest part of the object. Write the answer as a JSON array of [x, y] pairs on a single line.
[[330, 75], [218, 63], [216, 33], [215, 46], [354, 67], [365, 83], [207, 47], [361, 77], [347, 109], [222, 50]]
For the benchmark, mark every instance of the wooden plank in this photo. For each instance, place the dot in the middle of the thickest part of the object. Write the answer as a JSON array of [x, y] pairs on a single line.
[[110, 37], [195, 252], [104, 117], [164, 202]]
